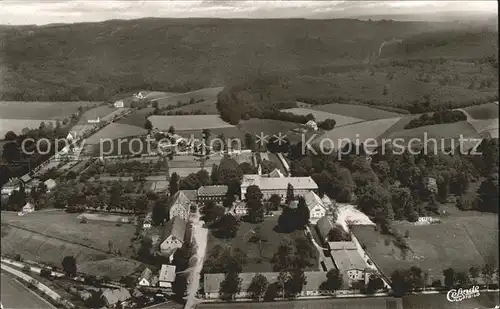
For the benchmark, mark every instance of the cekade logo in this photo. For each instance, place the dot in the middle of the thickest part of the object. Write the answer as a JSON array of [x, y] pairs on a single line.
[[454, 295]]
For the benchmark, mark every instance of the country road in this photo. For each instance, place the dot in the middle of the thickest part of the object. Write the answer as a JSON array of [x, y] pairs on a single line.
[[200, 235], [15, 295]]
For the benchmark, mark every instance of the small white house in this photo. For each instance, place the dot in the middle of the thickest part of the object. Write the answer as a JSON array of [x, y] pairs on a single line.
[[50, 184], [167, 276], [147, 278], [118, 104], [28, 207], [311, 125]]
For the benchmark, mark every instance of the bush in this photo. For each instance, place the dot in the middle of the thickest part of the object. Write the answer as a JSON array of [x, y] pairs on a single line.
[[18, 258], [26, 268], [45, 272]]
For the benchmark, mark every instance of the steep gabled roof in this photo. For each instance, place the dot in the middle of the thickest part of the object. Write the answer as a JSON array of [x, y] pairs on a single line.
[[312, 199], [181, 199], [175, 227]]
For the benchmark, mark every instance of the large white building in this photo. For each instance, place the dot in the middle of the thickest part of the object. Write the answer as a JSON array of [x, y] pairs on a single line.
[[278, 185]]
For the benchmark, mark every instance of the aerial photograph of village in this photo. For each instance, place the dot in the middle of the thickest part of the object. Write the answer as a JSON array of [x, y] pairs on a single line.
[[249, 154]]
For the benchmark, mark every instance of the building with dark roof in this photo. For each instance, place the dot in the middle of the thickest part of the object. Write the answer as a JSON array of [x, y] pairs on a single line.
[[173, 235], [191, 195], [212, 193], [113, 297]]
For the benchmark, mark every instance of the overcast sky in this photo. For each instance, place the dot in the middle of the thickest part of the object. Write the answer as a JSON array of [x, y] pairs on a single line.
[[65, 11]]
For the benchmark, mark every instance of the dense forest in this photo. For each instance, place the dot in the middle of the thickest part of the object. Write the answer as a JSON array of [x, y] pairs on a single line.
[[319, 59]]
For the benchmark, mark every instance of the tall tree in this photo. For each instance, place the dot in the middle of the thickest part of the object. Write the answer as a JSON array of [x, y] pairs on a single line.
[[303, 214], [295, 283], [174, 183], [148, 125], [258, 287], [449, 277], [333, 281], [69, 265], [230, 286], [289, 193], [258, 238]]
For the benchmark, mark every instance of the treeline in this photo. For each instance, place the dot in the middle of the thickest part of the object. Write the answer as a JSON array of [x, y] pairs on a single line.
[[68, 92], [443, 115], [234, 106], [414, 279]]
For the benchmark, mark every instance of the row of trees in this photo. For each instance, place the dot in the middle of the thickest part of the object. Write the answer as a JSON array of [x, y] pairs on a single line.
[[109, 196], [414, 279], [443, 115]]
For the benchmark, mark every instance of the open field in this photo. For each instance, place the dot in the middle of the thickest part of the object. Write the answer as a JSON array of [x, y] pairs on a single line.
[[485, 125], [268, 248], [114, 131], [356, 111], [207, 107], [49, 236], [40, 110], [185, 171], [157, 94], [17, 125], [357, 132], [457, 242], [114, 268], [188, 122], [92, 114], [483, 111], [119, 146], [320, 115], [136, 118], [349, 303], [208, 94]]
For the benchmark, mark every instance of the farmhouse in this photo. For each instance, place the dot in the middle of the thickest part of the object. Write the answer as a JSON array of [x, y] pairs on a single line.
[[278, 185], [28, 208], [118, 104], [311, 125], [174, 233], [179, 206], [315, 205], [11, 186], [113, 297], [212, 283], [167, 276], [147, 278], [50, 184], [212, 193], [351, 265]]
